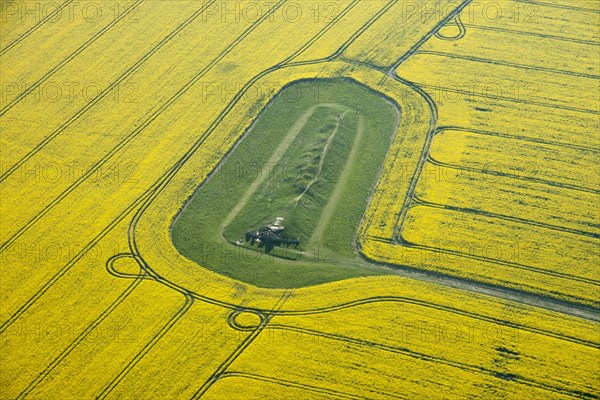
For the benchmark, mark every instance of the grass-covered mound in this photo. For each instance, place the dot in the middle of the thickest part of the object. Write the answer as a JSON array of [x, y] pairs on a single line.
[[311, 158]]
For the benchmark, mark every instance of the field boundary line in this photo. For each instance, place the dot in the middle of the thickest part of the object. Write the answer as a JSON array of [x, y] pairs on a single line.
[[453, 14], [141, 127], [575, 306], [162, 182], [222, 368], [505, 63], [505, 98], [188, 302], [517, 137], [459, 167], [443, 308], [533, 34], [70, 57], [472, 211], [362, 30], [142, 199], [34, 28], [553, 5], [62, 271], [429, 358], [555, 274], [296, 385], [90, 328], [104, 92]]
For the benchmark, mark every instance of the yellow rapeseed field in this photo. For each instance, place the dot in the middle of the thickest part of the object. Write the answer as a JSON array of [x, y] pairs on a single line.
[[514, 158], [484, 215]]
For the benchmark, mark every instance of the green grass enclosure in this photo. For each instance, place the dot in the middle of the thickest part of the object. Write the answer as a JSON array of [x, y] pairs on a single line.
[[313, 157]]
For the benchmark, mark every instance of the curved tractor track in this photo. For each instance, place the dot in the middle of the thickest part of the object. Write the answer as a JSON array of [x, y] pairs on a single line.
[[143, 198], [511, 294], [150, 270]]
